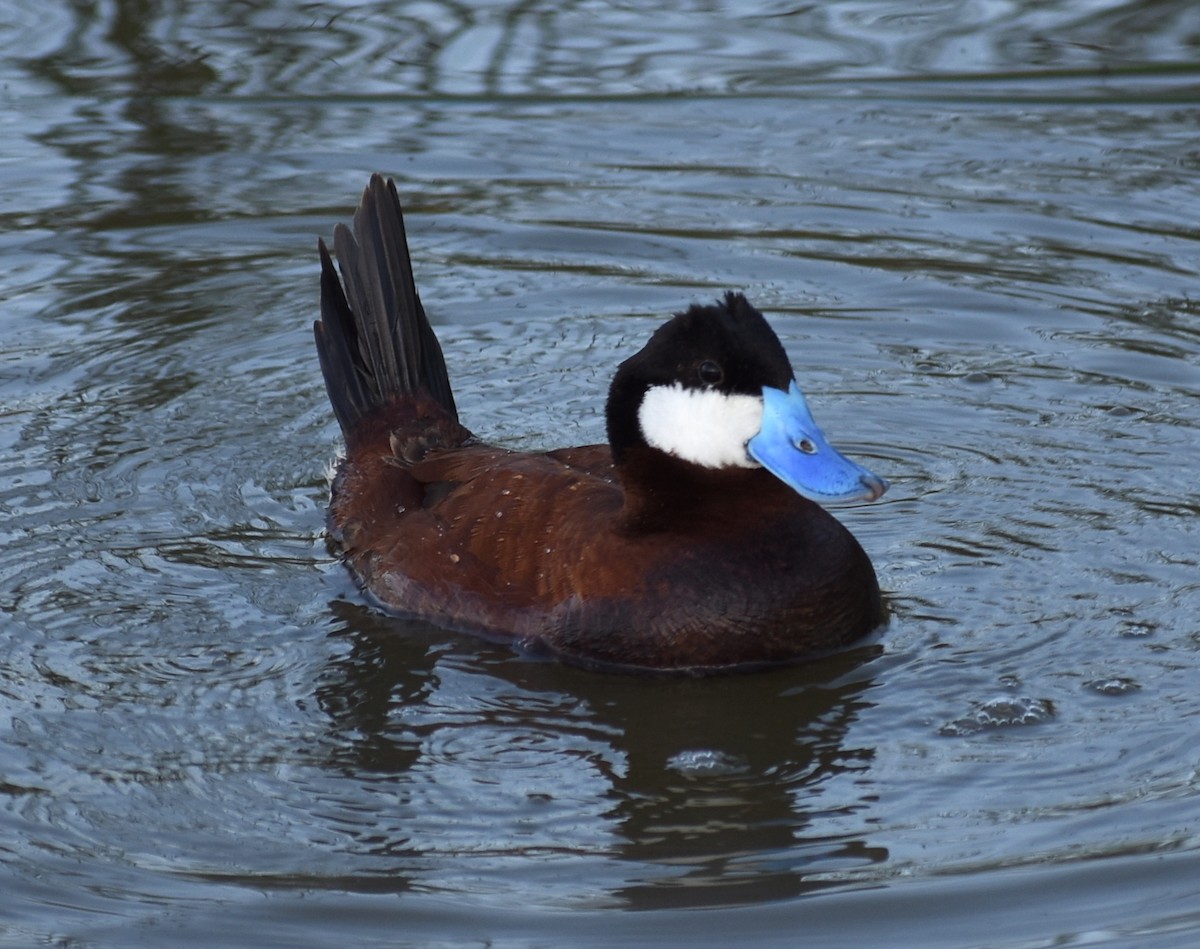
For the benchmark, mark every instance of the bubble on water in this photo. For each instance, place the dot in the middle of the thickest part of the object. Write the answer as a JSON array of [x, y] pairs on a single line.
[[703, 761], [1113, 685], [1001, 712]]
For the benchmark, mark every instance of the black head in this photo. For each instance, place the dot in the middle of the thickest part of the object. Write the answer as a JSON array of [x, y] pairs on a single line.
[[707, 367]]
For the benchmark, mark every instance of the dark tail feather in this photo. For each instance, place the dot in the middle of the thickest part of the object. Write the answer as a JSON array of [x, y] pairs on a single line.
[[373, 338]]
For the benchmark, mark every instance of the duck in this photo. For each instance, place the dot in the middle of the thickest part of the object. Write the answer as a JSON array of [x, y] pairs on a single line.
[[695, 541]]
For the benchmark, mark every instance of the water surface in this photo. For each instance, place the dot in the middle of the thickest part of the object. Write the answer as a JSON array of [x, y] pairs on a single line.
[[974, 226]]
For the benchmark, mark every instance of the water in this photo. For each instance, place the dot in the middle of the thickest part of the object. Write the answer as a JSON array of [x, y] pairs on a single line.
[[973, 225]]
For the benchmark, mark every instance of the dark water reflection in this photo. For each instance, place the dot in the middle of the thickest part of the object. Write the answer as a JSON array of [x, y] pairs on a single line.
[[973, 225], [709, 787]]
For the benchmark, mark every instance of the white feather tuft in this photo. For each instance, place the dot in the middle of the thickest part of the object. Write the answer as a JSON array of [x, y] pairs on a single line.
[[331, 468]]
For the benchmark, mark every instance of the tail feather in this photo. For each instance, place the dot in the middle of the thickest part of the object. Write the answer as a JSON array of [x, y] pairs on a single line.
[[373, 339]]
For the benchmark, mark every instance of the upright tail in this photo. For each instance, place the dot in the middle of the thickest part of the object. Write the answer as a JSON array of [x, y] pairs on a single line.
[[373, 339]]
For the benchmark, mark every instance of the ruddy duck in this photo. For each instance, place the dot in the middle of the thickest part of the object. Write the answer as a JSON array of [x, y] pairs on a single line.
[[692, 541]]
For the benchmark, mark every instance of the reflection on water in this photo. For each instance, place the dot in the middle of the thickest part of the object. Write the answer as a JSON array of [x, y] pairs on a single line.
[[972, 225], [582, 47], [714, 807]]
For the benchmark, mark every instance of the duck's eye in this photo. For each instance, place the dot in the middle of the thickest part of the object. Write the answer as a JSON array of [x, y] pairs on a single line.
[[806, 445], [710, 373]]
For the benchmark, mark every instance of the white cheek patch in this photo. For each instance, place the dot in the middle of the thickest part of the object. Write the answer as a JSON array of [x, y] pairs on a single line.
[[704, 426]]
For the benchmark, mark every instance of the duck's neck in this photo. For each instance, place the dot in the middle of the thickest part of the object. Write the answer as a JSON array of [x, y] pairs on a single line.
[[664, 493]]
